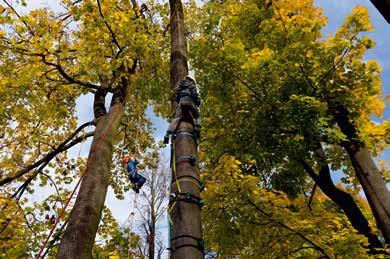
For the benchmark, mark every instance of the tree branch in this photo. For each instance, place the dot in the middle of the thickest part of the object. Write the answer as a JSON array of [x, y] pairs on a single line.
[[20, 17], [65, 75], [62, 147], [315, 246], [109, 28], [312, 196]]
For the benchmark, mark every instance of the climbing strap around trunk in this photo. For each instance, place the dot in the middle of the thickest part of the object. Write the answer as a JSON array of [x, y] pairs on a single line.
[[186, 158], [186, 197], [199, 243]]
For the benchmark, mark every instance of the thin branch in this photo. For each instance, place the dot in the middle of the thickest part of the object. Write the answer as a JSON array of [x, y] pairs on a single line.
[[55, 186], [315, 246], [20, 17], [109, 28], [62, 147], [312, 196], [299, 249], [65, 75]]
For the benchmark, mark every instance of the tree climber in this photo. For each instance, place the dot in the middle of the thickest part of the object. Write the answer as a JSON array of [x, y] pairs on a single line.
[[187, 99], [135, 178]]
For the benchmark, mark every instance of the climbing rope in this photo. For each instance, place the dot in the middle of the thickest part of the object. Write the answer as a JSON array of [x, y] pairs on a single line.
[[63, 209], [131, 216], [59, 218]]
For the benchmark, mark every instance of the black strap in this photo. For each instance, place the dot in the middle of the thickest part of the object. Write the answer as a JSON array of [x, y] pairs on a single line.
[[186, 158], [184, 245], [199, 243], [189, 236], [185, 133], [186, 197]]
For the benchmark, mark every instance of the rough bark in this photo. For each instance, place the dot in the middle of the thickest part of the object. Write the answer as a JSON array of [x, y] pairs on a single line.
[[79, 237], [178, 66], [185, 216], [343, 199], [367, 173]]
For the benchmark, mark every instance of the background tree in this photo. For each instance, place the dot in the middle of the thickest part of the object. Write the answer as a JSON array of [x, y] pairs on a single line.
[[50, 59], [153, 205], [265, 75]]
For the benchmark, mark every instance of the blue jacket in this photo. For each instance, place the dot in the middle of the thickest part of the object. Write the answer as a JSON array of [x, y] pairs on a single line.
[[132, 165]]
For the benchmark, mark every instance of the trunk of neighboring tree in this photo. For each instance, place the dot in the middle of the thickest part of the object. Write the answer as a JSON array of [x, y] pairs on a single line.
[[151, 240], [343, 199], [185, 216], [367, 173], [154, 192], [79, 237], [152, 219]]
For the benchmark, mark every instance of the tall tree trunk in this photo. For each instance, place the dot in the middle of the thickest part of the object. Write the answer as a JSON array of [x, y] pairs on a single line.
[[79, 237], [186, 231], [151, 240], [343, 199], [153, 218], [367, 173]]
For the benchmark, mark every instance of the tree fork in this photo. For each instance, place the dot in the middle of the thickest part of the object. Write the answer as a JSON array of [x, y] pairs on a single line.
[[186, 230], [79, 237]]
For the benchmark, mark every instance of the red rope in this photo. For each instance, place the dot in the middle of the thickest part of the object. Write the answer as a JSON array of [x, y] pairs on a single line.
[[59, 218], [63, 209]]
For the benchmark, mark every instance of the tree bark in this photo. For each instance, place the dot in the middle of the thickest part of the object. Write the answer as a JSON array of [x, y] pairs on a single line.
[[151, 240], [367, 173], [79, 237], [186, 230], [178, 66], [343, 199]]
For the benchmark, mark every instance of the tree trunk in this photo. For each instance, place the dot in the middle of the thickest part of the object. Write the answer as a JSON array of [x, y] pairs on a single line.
[[343, 199], [367, 173], [178, 66], [186, 230], [153, 218], [151, 240], [79, 237]]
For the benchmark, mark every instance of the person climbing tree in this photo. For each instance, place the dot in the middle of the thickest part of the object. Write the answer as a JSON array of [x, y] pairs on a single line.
[[187, 99], [136, 179]]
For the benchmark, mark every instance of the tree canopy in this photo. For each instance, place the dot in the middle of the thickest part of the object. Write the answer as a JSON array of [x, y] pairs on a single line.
[[284, 110]]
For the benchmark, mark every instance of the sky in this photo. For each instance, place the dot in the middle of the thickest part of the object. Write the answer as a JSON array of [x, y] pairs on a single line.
[[335, 10]]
